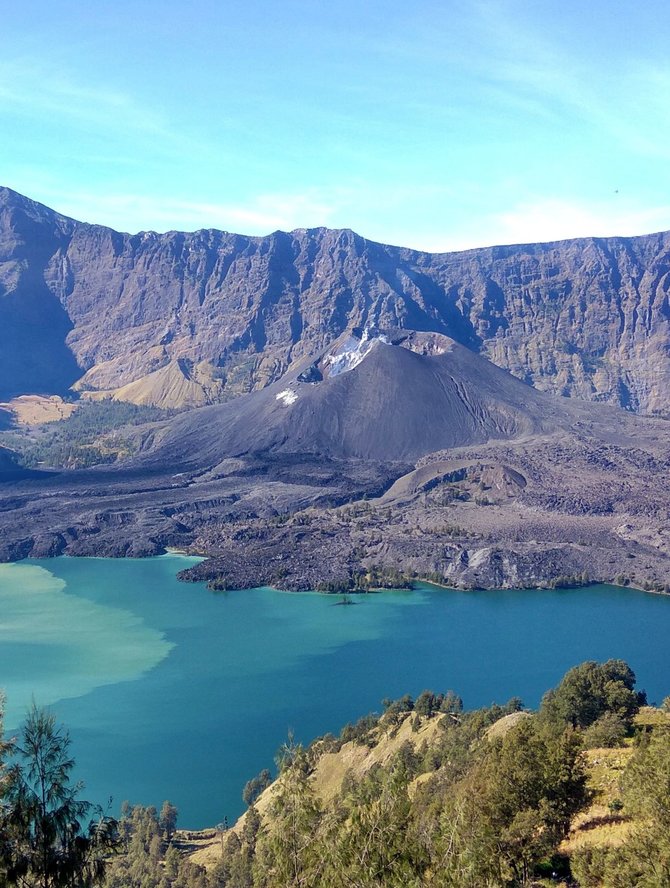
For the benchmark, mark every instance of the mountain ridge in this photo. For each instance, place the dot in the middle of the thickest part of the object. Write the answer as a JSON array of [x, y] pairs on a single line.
[[588, 318], [6, 191]]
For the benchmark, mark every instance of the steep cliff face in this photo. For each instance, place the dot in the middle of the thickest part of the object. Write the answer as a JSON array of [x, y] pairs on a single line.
[[588, 318], [34, 356]]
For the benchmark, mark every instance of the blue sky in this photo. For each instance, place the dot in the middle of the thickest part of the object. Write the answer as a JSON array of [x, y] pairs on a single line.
[[435, 125]]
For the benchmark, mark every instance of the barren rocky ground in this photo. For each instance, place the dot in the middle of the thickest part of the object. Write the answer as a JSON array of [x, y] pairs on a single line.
[[546, 511]]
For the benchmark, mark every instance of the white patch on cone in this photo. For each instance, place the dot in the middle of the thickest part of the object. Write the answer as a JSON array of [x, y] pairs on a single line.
[[352, 352], [287, 397]]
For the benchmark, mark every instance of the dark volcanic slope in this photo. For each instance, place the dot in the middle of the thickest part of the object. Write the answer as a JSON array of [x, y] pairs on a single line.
[[372, 410], [588, 317], [419, 456], [396, 405]]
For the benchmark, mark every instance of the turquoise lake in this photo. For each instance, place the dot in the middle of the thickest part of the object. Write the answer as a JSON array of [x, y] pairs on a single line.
[[172, 691]]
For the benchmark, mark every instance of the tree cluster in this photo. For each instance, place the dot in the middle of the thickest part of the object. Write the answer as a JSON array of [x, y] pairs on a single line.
[[90, 436], [48, 836], [487, 812], [148, 858], [486, 803], [644, 858], [476, 807], [600, 697]]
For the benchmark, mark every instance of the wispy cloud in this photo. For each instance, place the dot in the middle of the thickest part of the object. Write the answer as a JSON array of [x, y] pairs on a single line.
[[396, 149], [529, 221], [28, 89], [57, 101], [261, 214], [541, 75], [555, 219]]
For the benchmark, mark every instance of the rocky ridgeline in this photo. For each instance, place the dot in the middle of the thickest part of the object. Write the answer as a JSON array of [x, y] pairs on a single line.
[[212, 314]]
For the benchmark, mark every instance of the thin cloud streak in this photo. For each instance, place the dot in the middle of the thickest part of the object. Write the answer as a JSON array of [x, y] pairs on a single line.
[[36, 93], [528, 221], [32, 92], [263, 214], [492, 120], [556, 219], [530, 68]]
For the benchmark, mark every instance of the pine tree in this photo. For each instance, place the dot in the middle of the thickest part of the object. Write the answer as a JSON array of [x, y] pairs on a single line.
[[46, 843]]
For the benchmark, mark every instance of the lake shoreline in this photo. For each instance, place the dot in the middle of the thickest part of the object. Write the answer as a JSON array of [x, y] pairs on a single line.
[[245, 668], [200, 573]]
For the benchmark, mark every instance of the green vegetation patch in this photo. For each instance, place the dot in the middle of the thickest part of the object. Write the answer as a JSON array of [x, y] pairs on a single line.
[[422, 793], [97, 432]]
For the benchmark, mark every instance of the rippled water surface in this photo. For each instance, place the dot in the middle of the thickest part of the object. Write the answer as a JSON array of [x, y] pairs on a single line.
[[172, 691]]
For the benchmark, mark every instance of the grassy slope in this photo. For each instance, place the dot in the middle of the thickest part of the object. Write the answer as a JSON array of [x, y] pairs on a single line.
[[600, 825]]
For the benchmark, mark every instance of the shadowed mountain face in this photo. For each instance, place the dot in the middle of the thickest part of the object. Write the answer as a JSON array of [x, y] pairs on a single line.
[[220, 314], [34, 324]]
